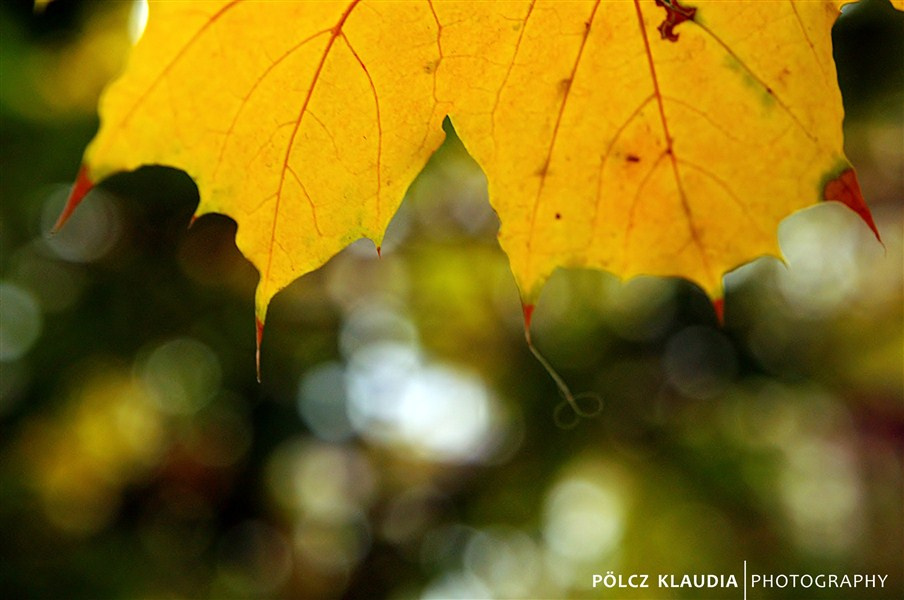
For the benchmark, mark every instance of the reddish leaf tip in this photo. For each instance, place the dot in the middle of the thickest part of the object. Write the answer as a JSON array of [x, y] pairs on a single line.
[[192, 221], [259, 325], [528, 310], [719, 307], [379, 252], [846, 189], [80, 189]]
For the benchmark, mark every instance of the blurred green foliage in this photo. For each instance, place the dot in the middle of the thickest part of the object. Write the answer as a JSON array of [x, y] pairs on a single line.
[[402, 443]]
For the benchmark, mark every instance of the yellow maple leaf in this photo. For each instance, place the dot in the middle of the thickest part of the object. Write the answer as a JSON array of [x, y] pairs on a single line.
[[637, 136]]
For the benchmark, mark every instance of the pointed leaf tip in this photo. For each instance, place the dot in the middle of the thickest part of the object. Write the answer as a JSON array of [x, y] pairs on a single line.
[[80, 189], [528, 310], [379, 251], [719, 307], [846, 189], [259, 325]]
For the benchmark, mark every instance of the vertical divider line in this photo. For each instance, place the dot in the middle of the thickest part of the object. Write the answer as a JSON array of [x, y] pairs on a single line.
[[745, 579]]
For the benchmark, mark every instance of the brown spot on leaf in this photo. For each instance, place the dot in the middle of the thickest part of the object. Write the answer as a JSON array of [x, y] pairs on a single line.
[[558, 216], [632, 158], [675, 15]]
